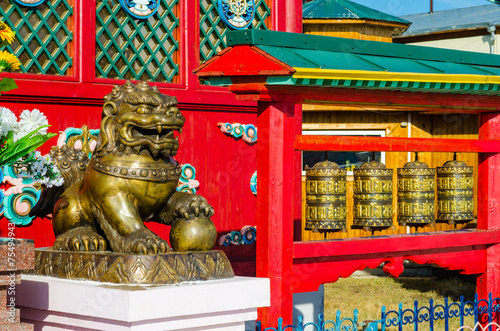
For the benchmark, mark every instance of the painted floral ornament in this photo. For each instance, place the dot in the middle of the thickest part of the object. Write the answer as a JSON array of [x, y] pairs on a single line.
[[140, 9], [237, 14], [29, 3]]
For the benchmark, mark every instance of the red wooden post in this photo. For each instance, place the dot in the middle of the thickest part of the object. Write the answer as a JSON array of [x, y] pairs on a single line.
[[488, 197], [275, 205], [287, 15], [297, 212]]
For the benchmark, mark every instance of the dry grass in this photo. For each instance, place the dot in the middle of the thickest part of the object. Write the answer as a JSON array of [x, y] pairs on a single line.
[[368, 295]]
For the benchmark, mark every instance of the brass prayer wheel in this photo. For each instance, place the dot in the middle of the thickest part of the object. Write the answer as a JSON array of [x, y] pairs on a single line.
[[373, 195], [455, 198], [326, 189], [416, 194]]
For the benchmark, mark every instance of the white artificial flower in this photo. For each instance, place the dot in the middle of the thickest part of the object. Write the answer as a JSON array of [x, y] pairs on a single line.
[[8, 121], [30, 121], [58, 182], [42, 171], [37, 166], [20, 133]]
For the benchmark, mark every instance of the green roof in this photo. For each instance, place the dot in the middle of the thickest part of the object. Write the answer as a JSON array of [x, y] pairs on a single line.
[[349, 63], [295, 50], [334, 9]]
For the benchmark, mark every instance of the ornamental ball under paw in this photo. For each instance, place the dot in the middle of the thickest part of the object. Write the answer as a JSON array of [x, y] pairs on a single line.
[[197, 233]]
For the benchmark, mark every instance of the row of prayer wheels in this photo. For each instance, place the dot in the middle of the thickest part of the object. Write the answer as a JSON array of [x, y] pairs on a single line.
[[326, 195]]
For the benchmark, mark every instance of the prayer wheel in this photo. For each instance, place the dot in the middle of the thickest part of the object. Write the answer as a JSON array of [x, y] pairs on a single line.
[[416, 194], [373, 196], [455, 198], [325, 197]]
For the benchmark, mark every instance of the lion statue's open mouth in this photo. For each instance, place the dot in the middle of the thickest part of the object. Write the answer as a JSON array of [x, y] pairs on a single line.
[[140, 120], [152, 133]]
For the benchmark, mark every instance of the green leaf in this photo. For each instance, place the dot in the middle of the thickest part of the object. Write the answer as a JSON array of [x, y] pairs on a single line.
[[6, 141], [24, 146], [7, 84], [10, 138]]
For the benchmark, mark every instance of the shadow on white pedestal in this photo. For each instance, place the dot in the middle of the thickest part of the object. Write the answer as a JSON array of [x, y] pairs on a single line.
[[308, 305], [60, 304]]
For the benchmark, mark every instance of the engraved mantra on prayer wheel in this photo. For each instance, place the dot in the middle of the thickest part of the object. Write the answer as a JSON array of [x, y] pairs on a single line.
[[416, 185], [455, 198], [373, 195], [325, 197]]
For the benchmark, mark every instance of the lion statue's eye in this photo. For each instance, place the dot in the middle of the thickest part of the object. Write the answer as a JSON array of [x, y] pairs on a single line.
[[144, 110]]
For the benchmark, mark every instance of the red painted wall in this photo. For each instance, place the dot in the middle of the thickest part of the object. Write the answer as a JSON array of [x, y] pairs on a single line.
[[224, 165]]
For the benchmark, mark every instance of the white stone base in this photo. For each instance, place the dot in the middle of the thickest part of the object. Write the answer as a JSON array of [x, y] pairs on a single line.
[[60, 304], [308, 305]]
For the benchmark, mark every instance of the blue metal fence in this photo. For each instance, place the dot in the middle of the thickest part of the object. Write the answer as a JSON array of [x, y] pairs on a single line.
[[340, 324], [418, 317]]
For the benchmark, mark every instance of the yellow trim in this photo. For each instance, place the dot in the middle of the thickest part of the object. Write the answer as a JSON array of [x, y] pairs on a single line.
[[311, 73]]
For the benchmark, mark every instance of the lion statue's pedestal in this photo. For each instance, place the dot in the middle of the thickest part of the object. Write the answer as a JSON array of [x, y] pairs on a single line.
[[119, 268]]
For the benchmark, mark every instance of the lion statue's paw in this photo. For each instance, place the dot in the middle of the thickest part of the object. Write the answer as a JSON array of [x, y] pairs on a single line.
[[80, 239], [142, 241], [191, 204]]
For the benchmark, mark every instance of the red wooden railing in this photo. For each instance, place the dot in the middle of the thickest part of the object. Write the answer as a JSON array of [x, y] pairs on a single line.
[[303, 266]]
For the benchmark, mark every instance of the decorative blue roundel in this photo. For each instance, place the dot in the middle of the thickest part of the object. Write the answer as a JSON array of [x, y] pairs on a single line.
[[140, 9], [29, 3], [237, 14]]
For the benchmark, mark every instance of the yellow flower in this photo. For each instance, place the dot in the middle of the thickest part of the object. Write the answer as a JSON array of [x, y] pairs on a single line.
[[6, 33], [8, 62]]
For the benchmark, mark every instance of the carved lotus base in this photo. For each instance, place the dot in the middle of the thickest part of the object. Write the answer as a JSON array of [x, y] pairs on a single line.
[[121, 268]]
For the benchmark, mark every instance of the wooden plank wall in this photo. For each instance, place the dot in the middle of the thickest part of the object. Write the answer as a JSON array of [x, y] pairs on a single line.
[[344, 29], [455, 126]]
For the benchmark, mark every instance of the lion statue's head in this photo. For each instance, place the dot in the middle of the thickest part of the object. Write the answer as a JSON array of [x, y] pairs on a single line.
[[137, 118]]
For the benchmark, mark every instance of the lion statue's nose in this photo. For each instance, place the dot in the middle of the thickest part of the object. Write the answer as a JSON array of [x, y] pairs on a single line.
[[175, 114]]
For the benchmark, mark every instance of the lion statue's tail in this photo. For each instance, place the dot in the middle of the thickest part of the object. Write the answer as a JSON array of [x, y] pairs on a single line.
[[72, 164]]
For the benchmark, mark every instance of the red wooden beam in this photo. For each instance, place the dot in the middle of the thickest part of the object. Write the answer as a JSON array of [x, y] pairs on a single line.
[[92, 93], [320, 262], [422, 102], [309, 274], [394, 244], [393, 144]]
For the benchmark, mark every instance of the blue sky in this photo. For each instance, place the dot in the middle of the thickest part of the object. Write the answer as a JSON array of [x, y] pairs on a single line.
[[406, 7]]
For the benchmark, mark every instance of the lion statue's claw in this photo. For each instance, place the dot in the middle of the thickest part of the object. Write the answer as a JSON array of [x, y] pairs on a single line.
[[80, 239], [186, 204], [144, 242]]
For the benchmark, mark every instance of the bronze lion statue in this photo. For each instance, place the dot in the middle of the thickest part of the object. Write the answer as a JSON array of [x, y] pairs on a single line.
[[130, 179]]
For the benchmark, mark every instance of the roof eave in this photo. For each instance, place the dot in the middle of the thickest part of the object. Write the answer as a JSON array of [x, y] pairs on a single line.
[[448, 29]]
